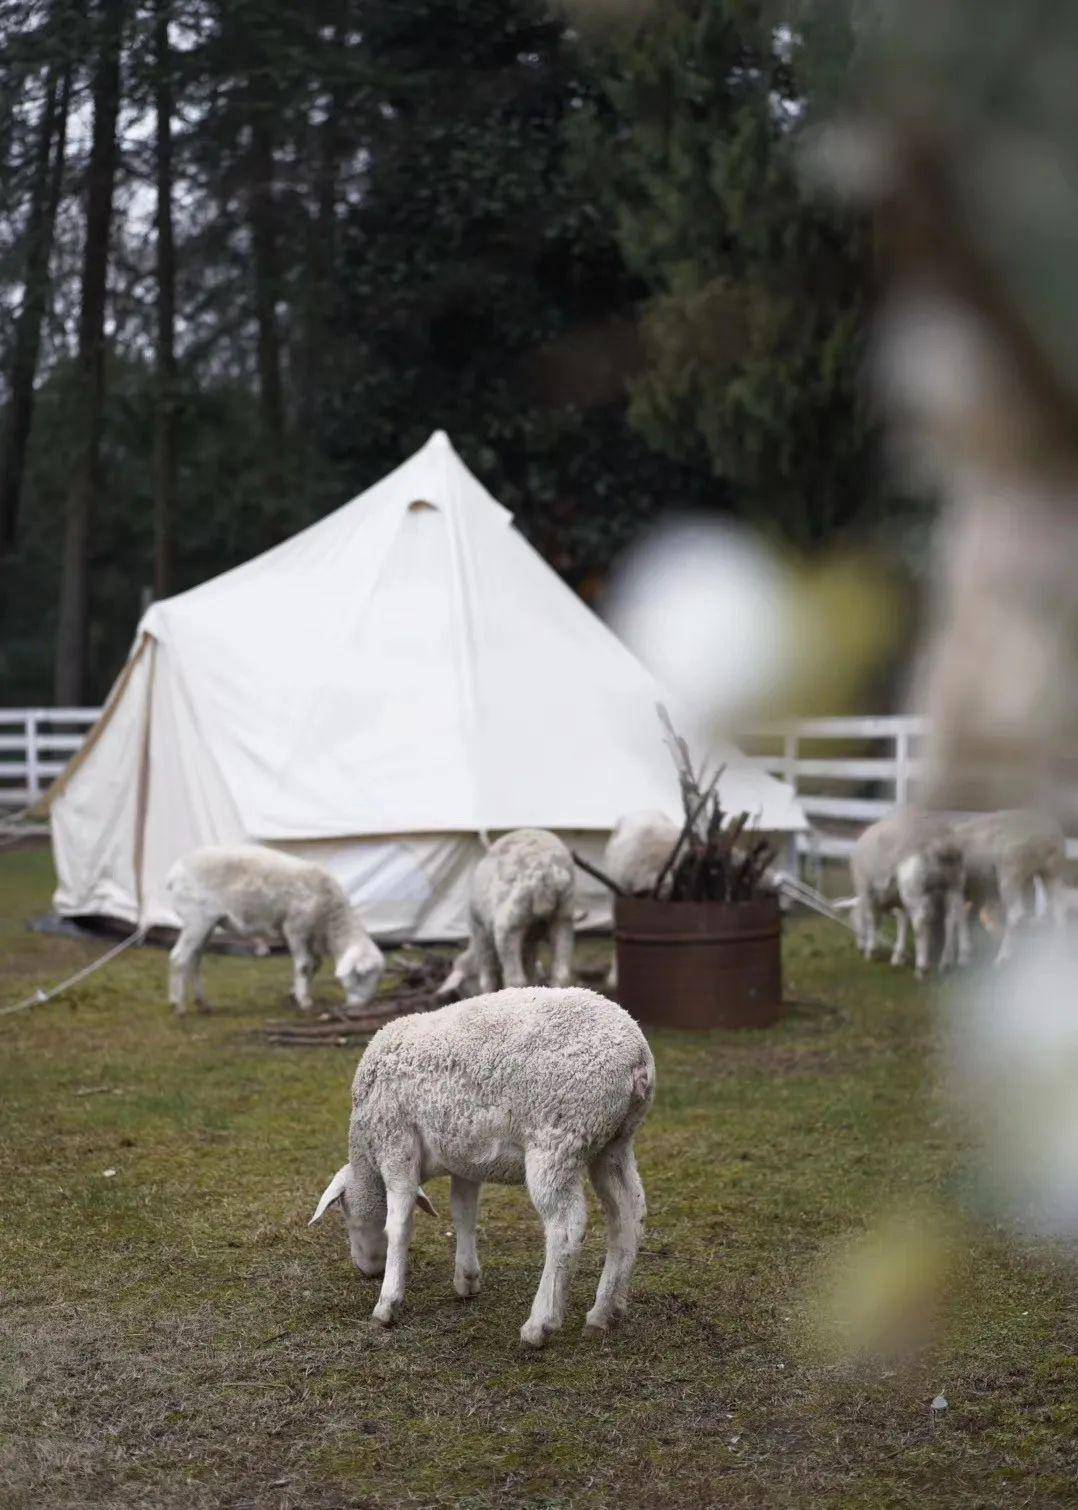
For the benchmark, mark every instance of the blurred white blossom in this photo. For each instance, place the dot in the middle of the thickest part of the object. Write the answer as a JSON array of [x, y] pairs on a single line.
[[709, 610], [739, 631], [1013, 1037]]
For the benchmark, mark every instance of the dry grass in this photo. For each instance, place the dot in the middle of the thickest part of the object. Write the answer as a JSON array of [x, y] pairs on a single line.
[[174, 1335]]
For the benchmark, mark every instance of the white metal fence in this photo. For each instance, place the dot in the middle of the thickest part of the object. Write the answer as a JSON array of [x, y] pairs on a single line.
[[846, 771]]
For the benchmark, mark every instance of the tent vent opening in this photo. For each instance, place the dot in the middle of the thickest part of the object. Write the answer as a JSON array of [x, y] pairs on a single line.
[[420, 503]]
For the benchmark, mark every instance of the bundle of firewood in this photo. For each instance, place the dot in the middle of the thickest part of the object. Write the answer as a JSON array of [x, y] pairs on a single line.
[[715, 858], [411, 987]]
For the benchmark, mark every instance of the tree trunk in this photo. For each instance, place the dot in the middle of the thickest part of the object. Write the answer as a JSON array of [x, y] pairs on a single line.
[[263, 212], [88, 408], [40, 229], [321, 261], [165, 426]]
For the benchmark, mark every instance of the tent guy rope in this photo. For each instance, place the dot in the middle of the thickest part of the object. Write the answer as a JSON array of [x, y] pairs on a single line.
[[40, 997]]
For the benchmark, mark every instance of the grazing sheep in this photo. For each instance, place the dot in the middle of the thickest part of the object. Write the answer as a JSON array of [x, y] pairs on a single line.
[[522, 891], [263, 892], [1007, 855], [534, 1086], [912, 864], [637, 850]]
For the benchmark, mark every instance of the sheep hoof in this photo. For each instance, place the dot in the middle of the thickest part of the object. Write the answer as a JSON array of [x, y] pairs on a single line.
[[386, 1313], [534, 1334], [598, 1325], [467, 1286]]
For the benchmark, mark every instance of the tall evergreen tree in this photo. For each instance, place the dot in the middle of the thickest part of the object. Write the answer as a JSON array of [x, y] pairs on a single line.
[[44, 199], [757, 293], [482, 292], [167, 398], [74, 616]]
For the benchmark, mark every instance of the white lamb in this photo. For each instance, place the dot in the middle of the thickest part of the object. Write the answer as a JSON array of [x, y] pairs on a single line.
[[263, 892], [522, 891], [912, 864], [637, 850], [1007, 855], [533, 1086]]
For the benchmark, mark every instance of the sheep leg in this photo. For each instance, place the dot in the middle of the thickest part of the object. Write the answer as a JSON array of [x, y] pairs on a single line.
[[400, 1208], [462, 968], [1013, 906], [183, 962], [464, 1204], [561, 935], [866, 924], [952, 931], [618, 1186], [200, 985], [1056, 894], [960, 942], [509, 943], [923, 930], [486, 958], [532, 967], [304, 966], [902, 923], [557, 1194]]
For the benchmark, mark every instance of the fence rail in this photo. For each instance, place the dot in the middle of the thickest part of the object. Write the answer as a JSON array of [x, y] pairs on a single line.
[[874, 768], [35, 746]]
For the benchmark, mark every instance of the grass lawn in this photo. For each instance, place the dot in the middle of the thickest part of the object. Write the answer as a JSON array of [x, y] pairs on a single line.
[[174, 1334]]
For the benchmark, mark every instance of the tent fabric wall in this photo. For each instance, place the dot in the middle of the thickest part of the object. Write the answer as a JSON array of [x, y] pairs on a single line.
[[95, 810], [382, 691], [415, 886]]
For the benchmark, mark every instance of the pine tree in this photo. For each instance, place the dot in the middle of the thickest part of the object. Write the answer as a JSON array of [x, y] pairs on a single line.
[[44, 199], [167, 398], [72, 650], [481, 292], [757, 293]]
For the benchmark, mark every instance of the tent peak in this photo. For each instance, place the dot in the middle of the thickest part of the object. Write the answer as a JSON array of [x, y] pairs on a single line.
[[439, 438]]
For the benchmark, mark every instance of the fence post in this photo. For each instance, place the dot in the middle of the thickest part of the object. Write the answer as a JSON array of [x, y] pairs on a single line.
[[902, 766], [789, 757], [789, 771], [33, 778]]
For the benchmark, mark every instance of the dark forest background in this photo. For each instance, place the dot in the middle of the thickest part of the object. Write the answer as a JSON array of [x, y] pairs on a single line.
[[252, 252]]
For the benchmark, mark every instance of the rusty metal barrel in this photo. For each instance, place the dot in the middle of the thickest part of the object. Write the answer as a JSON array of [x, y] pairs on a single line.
[[699, 964]]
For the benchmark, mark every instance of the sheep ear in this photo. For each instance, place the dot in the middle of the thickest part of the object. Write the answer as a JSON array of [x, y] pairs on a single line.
[[333, 1192], [423, 1201], [347, 962]]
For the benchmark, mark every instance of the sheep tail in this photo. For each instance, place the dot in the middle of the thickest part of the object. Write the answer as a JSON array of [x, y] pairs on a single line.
[[641, 1095], [643, 1086]]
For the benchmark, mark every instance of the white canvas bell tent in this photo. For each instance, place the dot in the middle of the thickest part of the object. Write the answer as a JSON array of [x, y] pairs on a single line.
[[378, 693]]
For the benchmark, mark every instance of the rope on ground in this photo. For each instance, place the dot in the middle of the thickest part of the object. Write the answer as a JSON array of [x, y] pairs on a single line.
[[12, 825], [800, 891], [40, 997]]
